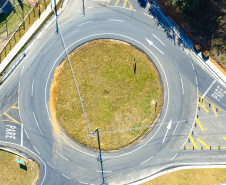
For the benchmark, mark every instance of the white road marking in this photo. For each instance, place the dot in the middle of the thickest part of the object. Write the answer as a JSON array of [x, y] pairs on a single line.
[[174, 156], [83, 182], [192, 65], [66, 176], [103, 171], [84, 23], [152, 44], [50, 165], [62, 156], [196, 79], [149, 15], [22, 125], [36, 150], [209, 88], [26, 133], [37, 123], [186, 51], [158, 40], [182, 86], [115, 20], [175, 128], [167, 87], [21, 72], [48, 48], [168, 127], [32, 87], [147, 160]]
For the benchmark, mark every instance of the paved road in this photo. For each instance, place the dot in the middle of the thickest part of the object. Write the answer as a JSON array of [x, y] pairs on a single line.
[[25, 123]]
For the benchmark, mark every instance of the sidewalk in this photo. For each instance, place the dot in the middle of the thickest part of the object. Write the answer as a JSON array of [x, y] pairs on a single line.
[[27, 35], [206, 62]]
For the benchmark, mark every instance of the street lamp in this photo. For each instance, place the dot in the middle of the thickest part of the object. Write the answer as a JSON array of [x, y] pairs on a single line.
[[99, 157]]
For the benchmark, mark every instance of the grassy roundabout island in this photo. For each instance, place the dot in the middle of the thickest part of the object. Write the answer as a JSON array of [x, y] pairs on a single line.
[[117, 101]]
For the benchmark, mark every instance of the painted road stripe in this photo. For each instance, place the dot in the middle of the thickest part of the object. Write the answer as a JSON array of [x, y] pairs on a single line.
[[147, 160], [108, 2], [117, 2], [124, 5], [193, 142], [203, 106], [174, 156], [62, 156], [197, 121], [209, 88], [204, 144], [214, 110], [224, 138], [12, 119]]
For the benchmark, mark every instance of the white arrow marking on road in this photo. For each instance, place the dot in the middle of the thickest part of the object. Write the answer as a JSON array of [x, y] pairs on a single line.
[[168, 127], [152, 44]]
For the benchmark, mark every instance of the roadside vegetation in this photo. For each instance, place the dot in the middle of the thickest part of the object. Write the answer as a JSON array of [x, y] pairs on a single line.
[[117, 101], [204, 21], [12, 172], [190, 177]]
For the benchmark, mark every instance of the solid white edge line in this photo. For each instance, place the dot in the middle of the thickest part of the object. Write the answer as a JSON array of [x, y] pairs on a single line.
[[147, 160], [209, 88], [37, 123], [182, 86], [174, 156], [158, 40], [62, 156], [31, 152], [164, 74], [65, 176], [36, 149]]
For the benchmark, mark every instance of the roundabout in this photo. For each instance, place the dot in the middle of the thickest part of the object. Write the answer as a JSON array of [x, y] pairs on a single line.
[[63, 161]]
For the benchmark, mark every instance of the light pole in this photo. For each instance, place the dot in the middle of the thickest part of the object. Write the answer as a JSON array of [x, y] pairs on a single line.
[[99, 157]]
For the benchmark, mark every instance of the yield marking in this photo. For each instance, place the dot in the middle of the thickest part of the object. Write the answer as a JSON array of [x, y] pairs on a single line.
[[224, 138], [193, 142], [12, 119], [204, 144], [203, 106], [152, 44], [214, 110], [197, 121]]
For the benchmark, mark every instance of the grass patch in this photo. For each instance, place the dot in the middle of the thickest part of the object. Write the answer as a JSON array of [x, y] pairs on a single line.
[[11, 173], [115, 99], [190, 177]]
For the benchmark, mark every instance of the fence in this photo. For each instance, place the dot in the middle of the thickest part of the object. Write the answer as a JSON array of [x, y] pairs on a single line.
[[27, 22]]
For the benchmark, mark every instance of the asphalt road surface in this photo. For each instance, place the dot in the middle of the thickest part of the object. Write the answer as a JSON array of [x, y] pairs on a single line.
[[189, 88]]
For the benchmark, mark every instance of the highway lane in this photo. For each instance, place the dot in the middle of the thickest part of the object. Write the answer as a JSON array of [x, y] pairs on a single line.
[[78, 164]]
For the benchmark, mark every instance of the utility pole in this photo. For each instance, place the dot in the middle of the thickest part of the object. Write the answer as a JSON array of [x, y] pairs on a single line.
[[99, 157]]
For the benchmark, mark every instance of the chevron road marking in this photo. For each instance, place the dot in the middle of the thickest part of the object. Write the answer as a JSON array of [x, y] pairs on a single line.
[[197, 121], [203, 106], [193, 142], [12, 119], [224, 138], [204, 144], [214, 110]]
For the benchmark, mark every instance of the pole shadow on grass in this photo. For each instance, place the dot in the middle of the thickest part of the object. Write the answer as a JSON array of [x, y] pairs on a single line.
[[23, 167]]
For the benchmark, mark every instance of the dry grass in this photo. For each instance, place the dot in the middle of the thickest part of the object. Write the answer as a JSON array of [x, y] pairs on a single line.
[[113, 97], [11, 173], [190, 177]]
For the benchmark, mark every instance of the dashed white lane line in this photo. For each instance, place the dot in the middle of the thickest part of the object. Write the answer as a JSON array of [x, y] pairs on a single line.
[[37, 123], [209, 88], [82, 182], [182, 86], [84, 23], [21, 72], [26, 133], [175, 128], [66, 176], [62, 156], [48, 48], [32, 87], [103, 171], [36, 150], [158, 40], [147, 160], [50, 165], [115, 20], [192, 65], [174, 156]]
